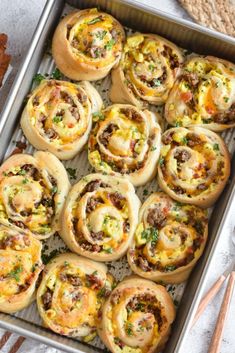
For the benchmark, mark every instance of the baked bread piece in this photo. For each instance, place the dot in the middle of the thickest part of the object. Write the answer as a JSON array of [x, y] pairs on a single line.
[[71, 293], [21, 265], [194, 165], [147, 70], [58, 116], [100, 216], [204, 95], [32, 193], [87, 44], [169, 239], [137, 317], [126, 142]]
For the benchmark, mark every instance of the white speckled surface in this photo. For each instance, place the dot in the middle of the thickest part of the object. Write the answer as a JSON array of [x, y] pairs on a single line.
[[18, 19]]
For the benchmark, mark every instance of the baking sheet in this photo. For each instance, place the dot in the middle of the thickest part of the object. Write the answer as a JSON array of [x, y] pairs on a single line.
[[55, 245]]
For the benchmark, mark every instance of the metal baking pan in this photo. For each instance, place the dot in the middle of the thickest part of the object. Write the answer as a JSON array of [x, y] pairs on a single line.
[[146, 19]]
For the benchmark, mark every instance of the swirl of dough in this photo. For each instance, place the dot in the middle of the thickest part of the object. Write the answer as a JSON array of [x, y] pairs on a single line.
[[20, 266], [58, 116], [32, 193], [87, 44], [137, 317], [126, 141], [194, 165], [203, 95], [169, 239], [147, 70], [71, 293], [100, 216]]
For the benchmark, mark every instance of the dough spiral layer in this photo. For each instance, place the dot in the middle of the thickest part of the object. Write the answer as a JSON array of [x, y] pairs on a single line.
[[32, 193], [71, 293], [137, 317], [21, 265], [203, 95], [126, 141], [100, 216], [147, 70], [169, 239], [87, 44], [194, 165], [58, 116]]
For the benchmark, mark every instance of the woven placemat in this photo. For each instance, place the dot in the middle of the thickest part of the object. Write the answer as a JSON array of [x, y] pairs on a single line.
[[215, 14]]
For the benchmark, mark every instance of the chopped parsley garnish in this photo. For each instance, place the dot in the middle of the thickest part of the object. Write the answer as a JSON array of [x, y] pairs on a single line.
[[72, 173], [22, 172], [102, 292], [145, 192], [150, 234], [54, 189], [101, 34], [177, 124], [97, 116], [56, 74], [25, 181], [185, 140], [226, 99], [156, 82], [170, 268], [15, 273], [153, 148], [161, 161], [57, 119], [151, 67], [216, 147], [38, 78], [108, 250], [47, 257], [95, 20], [110, 44], [129, 329]]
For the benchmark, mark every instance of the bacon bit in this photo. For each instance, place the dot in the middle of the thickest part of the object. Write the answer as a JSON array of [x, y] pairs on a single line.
[[70, 125], [210, 110], [190, 250], [186, 96]]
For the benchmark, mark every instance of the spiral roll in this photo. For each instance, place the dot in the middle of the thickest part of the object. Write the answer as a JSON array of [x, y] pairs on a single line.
[[99, 217], [194, 165], [21, 264], [137, 317], [71, 293], [169, 239], [32, 193], [126, 141], [203, 95], [147, 70], [87, 44]]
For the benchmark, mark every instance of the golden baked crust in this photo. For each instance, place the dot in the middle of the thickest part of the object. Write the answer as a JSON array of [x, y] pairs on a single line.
[[21, 265], [137, 317], [87, 44], [71, 293], [126, 142], [147, 70], [100, 216], [204, 95], [58, 116], [194, 165], [32, 193], [169, 239]]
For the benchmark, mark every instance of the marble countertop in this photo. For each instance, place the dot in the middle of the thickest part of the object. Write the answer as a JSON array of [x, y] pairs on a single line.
[[18, 19]]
